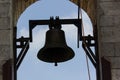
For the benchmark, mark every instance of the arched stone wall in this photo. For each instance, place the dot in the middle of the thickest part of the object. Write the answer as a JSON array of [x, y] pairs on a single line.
[[88, 6], [103, 13], [10, 10], [109, 34], [106, 15], [19, 6]]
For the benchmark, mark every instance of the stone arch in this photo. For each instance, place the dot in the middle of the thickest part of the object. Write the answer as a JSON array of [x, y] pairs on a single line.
[[18, 8], [88, 5]]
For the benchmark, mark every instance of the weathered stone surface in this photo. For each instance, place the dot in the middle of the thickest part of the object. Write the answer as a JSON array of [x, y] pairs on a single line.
[[115, 62], [4, 52], [4, 9], [111, 7], [117, 49], [0, 71], [110, 34], [107, 36], [4, 1], [0, 77], [4, 34], [111, 0], [1, 63], [4, 37], [117, 35], [115, 74], [117, 21], [106, 21], [107, 49], [5, 23]]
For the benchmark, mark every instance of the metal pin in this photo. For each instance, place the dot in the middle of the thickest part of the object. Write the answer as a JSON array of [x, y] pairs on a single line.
[[56, 64]]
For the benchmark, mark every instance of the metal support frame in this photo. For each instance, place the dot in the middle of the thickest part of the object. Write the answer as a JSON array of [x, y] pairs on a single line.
[[86, 44], [87, 41]]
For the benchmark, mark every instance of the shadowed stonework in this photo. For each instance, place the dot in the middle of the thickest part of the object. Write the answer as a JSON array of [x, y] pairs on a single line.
[[103, 13]]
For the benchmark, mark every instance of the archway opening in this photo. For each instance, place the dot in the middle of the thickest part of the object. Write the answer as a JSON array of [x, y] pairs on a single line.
[[32, 68]]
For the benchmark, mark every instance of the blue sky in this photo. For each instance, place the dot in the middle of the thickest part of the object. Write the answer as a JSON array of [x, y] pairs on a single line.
[[34, 69]]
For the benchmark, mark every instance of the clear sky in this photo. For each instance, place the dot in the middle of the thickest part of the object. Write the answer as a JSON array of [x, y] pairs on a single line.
[[34, 69]]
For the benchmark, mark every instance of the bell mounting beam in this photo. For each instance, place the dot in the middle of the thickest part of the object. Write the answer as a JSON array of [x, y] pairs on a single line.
[[24, 41], [54, 22], [88, 41], [34, 23]]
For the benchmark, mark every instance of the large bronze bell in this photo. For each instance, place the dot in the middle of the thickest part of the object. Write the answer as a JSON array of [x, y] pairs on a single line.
[[55, 49]]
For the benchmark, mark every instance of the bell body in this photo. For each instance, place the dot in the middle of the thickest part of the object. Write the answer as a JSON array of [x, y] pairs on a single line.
[[55, 49]]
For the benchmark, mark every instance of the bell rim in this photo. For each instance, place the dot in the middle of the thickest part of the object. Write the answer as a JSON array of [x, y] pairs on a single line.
[[71, 52]]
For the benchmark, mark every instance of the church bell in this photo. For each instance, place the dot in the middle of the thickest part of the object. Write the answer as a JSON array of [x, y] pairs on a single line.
[[55, 49]]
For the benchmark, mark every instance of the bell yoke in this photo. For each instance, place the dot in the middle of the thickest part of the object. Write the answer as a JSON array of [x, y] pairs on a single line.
[[55, 49]]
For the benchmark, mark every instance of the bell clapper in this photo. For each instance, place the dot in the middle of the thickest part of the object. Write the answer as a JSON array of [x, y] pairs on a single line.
[[56, 64]]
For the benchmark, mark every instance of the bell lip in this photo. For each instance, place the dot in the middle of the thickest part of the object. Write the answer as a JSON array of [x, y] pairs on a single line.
[[68, 49]]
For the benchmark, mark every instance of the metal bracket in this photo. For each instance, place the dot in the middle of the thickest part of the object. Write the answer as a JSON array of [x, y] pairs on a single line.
[[86, 44], [88, 41], [23, 44], [24, 48]]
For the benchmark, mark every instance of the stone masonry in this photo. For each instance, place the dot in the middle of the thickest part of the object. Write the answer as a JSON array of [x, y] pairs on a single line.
[[5, 32], [108, 22], [109, 33]]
